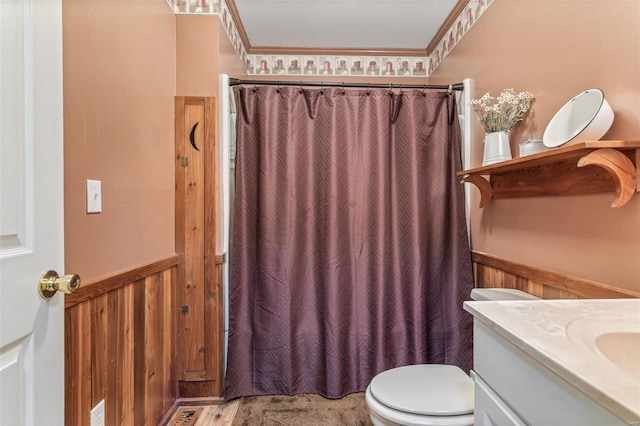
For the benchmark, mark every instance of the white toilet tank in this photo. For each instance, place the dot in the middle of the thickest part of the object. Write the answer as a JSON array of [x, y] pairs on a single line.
[[500, 294]]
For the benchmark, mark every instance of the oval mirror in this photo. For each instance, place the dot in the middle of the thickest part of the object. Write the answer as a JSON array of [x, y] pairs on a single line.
[[586, 117]]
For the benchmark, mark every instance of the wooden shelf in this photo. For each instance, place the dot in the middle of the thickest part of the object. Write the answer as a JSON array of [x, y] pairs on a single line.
[[582, 168]]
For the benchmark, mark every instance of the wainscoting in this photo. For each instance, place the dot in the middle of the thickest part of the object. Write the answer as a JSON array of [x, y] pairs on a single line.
[[494, 272], [120, 346], [120, 334]]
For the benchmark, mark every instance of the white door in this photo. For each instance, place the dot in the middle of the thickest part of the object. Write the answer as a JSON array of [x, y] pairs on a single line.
[[31, 212]]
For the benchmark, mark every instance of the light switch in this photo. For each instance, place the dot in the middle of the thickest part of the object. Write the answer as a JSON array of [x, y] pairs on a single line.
[[94, 196]]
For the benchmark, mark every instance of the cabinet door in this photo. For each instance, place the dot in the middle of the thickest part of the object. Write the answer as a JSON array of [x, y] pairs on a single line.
[[490, 409], [200, 324]]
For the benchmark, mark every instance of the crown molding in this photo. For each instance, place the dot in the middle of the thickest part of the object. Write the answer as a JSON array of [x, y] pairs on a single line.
[[447, 24], [267, 50], [462, 17], [235, 15]]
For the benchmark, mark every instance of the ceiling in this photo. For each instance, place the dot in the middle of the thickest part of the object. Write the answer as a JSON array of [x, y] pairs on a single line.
[[344, 24]]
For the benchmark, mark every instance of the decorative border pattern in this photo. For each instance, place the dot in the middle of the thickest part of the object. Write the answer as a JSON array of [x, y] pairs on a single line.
[[195, 7], [460, 26], [331, 65], [231, 28]]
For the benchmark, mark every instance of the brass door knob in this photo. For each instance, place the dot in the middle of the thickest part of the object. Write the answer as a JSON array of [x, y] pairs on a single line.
[[50, 282]]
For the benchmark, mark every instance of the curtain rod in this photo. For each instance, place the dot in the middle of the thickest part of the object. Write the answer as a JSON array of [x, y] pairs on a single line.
[[238, 82]]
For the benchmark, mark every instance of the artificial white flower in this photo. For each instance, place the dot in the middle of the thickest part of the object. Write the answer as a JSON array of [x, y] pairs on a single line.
[[501, 114]]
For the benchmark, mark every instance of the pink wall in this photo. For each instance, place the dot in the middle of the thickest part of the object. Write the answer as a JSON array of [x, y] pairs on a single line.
[[197, 61], [556, 50], [203, 53], [228, 60], [124, 64], [119, 86]]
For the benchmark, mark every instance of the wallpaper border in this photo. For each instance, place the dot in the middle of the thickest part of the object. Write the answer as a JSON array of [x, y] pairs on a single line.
[[336, 65]]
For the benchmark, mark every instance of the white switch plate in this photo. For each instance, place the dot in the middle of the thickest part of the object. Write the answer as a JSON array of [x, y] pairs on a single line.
[[97, 414], [94, 196]]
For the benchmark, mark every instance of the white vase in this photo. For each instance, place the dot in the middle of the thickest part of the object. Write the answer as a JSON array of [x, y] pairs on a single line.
[[496, 148]]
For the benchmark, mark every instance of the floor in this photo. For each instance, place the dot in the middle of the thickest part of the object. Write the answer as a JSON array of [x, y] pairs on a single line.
[[211, 415], [218, 415]]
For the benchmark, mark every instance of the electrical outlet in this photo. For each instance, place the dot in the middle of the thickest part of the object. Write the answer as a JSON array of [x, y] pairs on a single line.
[[97, 414]]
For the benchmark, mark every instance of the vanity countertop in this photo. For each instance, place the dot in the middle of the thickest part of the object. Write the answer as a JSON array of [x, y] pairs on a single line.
[[560, 334]]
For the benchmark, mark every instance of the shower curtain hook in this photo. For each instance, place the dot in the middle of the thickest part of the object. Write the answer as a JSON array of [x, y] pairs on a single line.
[[424, 90], [343, 91], [321, 88], [255, 87], [450, 89], [278, 88], [390, 89], [367, 92], [300, 91], [400, 93]]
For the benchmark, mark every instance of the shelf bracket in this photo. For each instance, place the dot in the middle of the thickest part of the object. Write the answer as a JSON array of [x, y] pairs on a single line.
[[486, 193], [621, 169]]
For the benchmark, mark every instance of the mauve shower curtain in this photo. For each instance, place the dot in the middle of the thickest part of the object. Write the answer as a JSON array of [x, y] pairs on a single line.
[[350, 253]]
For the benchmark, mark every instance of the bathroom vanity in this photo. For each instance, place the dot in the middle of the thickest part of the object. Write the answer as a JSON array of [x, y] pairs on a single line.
[[556, 362]]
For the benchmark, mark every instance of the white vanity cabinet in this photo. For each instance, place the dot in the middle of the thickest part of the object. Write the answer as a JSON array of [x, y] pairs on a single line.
[[522, 381], [529, 392]]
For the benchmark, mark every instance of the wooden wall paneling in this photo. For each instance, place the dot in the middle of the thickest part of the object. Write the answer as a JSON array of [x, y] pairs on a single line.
[[214, 335], [112, 360], [205, 390], [180, 212], [139, 358], [99, 353], [494, 272], [77, 370], [120, 347], [167, 390], [154, 368], [190, 238], [170, 308], [115, 345], [212, 321], [200, 321], [94, 288], [127, 356], [194, 288]]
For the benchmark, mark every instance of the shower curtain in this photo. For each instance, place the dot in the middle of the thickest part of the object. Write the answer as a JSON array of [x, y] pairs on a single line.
[[350, 253]]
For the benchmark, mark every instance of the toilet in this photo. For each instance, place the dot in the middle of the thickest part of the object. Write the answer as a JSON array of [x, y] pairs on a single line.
[[429, 394]]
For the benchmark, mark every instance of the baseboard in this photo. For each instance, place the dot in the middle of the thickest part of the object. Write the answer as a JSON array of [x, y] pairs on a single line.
[[170, 413]]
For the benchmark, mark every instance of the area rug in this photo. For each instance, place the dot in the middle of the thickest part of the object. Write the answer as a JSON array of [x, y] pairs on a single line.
[[299, 410]]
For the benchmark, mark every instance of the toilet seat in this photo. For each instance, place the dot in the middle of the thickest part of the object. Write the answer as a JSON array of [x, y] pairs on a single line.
[[426, 389], [431, 394]]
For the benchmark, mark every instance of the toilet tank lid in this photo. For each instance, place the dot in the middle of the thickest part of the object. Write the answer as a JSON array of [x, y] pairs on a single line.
[[500, 294]]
